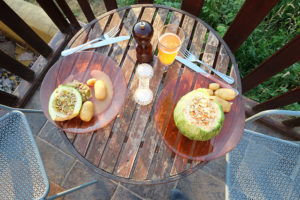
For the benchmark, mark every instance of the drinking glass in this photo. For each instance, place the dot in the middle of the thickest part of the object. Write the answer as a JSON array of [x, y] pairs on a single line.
[[170, 40]]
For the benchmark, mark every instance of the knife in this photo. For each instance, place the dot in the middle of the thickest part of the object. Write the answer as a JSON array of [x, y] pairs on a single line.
[[191, 65], [95, 45], [196, 68]]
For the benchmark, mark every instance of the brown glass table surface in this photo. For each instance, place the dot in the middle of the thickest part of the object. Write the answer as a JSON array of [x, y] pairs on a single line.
[[130, 148]]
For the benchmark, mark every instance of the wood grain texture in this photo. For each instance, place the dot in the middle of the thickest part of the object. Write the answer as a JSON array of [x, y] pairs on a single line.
[[179, 163], [222, 61], [210, 51], [82, 141], [136, 133], [164, 157], [151, 136], [100, 137], [113, 148], [130, 148]]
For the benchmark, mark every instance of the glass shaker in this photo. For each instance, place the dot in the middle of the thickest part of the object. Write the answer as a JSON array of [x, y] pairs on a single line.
[[143, 95]]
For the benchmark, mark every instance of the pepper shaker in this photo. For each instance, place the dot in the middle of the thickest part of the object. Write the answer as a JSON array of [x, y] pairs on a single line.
[[143, 32]]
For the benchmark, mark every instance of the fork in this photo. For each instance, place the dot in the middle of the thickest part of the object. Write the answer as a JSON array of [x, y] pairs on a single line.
[[191, 57], [111, 33]]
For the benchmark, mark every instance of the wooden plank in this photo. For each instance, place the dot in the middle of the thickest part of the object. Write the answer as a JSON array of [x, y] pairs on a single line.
[[283, 58], [110, 4], [25, 89], [198, 39], [163, 161], [248, 17], [145, 1], [222, 61], [279, 101], [101, 137], [68, 12], [56, 16], [82, 141], [136, 132], [87, 10], [292, 122], [210, 50], [192, 6], [8, 99], [113, 148], [115, 21], [13, 21], [151, 136], [158, 23], [180, 163], [16, 67]]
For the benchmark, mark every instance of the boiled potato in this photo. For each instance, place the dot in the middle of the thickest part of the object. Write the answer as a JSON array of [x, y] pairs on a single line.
[[91, 82], [213, 86], [210, 92], [225, 93], [100, 90], [87, 111], [225, 104]]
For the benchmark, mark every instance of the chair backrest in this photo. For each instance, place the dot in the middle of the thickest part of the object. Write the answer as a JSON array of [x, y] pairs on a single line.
[[23, 175], [249, 16], [263, 167]]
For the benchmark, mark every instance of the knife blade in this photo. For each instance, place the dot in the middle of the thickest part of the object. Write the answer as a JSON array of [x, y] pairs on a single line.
[[196, 68], [191, 65], [97, 44]]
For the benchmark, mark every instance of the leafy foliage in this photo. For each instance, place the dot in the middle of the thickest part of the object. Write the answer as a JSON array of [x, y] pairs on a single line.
[[278, 28]]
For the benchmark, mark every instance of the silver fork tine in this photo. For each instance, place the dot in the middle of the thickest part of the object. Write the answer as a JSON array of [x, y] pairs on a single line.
[[111, 30]]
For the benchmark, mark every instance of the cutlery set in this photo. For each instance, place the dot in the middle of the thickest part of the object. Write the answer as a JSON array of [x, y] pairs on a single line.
[[108, 38]]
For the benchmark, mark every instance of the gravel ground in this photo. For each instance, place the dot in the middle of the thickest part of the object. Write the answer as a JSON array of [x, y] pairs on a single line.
[[9, 81]]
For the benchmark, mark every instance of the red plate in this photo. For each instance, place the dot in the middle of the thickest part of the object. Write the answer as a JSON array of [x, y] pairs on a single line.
[[83, 66], [218, 146]]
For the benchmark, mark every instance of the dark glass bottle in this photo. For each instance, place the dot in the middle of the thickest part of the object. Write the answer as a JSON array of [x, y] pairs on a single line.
[[143, 32]]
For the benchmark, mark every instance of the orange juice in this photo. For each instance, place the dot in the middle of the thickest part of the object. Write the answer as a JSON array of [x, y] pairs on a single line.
[[169, 44]]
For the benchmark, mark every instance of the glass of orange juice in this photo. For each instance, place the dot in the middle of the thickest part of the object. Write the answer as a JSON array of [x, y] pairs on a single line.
[[170, 40]]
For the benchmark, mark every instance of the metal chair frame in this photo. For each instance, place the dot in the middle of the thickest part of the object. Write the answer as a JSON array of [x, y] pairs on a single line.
[[250, 176], [22, 173]]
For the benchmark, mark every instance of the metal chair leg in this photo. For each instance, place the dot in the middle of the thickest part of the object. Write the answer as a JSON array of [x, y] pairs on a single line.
[[71, 190]]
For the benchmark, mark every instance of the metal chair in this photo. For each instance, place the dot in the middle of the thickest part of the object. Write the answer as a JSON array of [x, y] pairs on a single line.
[[22, 173], [263, 167]]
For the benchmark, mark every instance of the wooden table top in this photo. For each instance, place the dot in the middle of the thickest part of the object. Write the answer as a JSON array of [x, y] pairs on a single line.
[[130, 149]]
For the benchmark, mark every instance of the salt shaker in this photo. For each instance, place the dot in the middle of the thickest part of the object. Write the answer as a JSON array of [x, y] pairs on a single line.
[[143, 32], [143, 95]]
